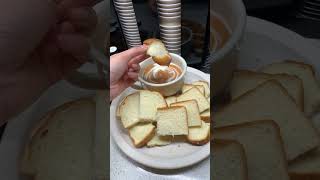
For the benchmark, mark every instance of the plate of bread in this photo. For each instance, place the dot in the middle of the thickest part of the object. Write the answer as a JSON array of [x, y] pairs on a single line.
[[164, 131], [270, 125]]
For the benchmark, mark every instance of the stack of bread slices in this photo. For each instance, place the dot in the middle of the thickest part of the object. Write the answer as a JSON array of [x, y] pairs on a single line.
[[153, 120], [266, 131]]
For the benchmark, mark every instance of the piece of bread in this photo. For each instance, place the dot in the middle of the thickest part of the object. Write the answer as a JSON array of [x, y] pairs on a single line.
[[271, 101], [129, 110], [244, 81], [263, 148], [205, 116], [150, 40], [199, 135], [150, 101], [118, 115], [187, 87], [172, 121], [206, 86], [195, 94], [229, 159], [170, 100], [159, 141], [192, 112], [61, 145], [141, 134], [310, 84], [158, 52]]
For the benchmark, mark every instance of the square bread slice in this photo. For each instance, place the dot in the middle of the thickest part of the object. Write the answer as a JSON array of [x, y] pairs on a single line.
[[172, 121], [159, 141], [263, 148], [310, 84], [170, 100], [206, 87], [244, 81], [192, 112], [129, 110], [187, 87], [141, 134], [150, 101], [195, 94], [271, 101], [229, 160], [199, 135]]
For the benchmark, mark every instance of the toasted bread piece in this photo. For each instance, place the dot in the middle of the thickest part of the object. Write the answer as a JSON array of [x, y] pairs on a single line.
[[140, 134], [150, 41], [158, 52], [199, 135], [310, 84], [172, 121], [192, 112], [187, 87], [129, 110], [60, 146], [150, 101], [244, 81], [159, 141], [263, 148], [195, 94], [271, 101], [206, 86], [170, 100], [229, 159]]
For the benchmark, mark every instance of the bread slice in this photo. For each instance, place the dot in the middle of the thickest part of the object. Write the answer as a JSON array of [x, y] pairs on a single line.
[[172, 121], [195, 94], [158, 52], [199, 135], [129, 110], [141, 133], [187, 87], [206, 86], [192, 112], [229, 160], [271, 101], [310, 84], [263, 148], [61, 145], [150, 101], [118, 115], [170, 100], [159, 141], [244, 81]]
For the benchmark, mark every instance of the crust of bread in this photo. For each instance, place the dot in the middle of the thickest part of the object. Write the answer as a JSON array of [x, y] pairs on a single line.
[[118, 116], [150, 40], [40, 128], [201, 142], [122, 103], [145, 140], [303, 64], [205, 118]]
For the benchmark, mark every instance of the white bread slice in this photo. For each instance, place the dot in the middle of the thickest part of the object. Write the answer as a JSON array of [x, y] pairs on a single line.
[[244, 81], [60, 146], [118, 115], [271, 101], [199, 135], [205, 85], [192, 112], [129, 110], [263, 148], [229, 159], [172, 121], [140, 134], [150, 101], [170, 100], [310, 84], [195, 94], [187, 87], [158, 52], [159, 141]]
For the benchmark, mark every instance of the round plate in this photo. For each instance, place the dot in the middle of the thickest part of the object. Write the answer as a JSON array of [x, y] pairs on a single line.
[[173, 156]]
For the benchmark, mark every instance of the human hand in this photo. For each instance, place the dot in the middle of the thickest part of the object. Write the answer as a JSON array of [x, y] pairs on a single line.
[[32, 57], [124, 69]]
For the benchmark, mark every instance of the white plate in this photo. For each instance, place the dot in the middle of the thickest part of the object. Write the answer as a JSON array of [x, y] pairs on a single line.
[[173, 156]]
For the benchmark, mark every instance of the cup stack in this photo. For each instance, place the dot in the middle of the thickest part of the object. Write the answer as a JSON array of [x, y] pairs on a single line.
[[128, 22], [169, 12]]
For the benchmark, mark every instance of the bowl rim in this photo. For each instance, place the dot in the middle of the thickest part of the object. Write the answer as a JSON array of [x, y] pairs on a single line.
[[184, 71]]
